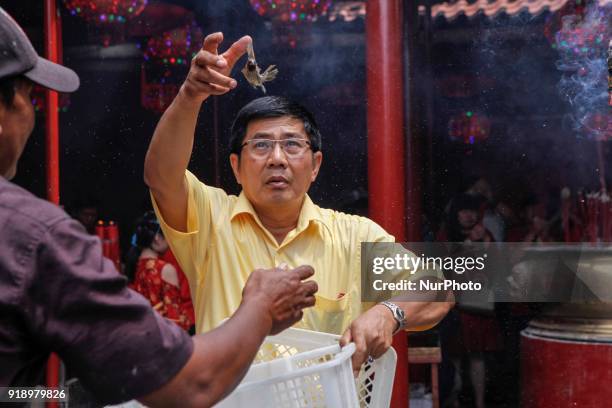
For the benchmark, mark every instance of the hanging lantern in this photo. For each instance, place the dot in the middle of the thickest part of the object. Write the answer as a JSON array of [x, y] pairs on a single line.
[[469, 127], [38, 97], [166, 58], [156, 94], [105, 11], [553, 22], [291, 11], [175, 47], [577, 31], [106, 18]]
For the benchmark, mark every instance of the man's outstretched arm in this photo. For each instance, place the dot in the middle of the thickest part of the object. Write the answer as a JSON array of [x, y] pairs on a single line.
[[77, 304], [172, 143], [272, 301], [220, 359]]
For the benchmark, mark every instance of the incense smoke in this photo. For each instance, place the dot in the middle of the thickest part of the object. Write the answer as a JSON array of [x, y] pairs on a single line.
[[582, 50]]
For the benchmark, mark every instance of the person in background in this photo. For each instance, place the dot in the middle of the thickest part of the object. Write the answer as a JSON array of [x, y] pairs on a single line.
[[59, 295], [85, 210], [185, 290], [153, 277], [478, 329], [534, 224], [492, 220], [464, 220]]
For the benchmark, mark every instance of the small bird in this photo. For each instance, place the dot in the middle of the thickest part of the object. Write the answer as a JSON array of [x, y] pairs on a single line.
[[253, 74]]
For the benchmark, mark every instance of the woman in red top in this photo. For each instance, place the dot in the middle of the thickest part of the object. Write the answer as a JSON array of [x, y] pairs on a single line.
[[186, 303], [479, 330], [153, 277]]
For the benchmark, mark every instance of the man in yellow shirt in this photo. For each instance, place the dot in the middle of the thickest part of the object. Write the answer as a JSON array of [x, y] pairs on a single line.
[[219, 239]]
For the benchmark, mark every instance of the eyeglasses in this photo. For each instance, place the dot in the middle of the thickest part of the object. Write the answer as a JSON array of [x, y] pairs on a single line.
[[293, 147]]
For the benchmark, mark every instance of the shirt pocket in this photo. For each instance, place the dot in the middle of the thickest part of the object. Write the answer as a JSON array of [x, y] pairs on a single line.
[[328, 315]]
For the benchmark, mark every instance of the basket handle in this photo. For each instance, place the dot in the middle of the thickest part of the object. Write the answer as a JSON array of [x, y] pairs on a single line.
[[345, 353]]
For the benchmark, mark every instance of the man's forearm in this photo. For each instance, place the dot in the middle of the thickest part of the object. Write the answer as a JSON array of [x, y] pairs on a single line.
[[172, 143], [220, 360], [424, 315], [229, 351]]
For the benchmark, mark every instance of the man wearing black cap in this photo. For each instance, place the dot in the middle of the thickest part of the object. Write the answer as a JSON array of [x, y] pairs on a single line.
[[58, 294]]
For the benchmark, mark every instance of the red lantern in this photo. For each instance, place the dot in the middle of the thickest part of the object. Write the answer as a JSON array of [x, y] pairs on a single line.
[[105, 11], [157, 95], [577, 30], [553, 22], [106, 18], [469, 127], [291, 11], [175, 47], [166, 56]]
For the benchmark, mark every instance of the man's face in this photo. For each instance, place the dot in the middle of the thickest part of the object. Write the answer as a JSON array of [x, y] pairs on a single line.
[[88, 217], [276, 180], [16, 125], [467, 218]]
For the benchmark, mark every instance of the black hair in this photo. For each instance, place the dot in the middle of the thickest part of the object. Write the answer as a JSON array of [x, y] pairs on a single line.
[[146, 228], [272, 107], [8, 88], [463, 201]]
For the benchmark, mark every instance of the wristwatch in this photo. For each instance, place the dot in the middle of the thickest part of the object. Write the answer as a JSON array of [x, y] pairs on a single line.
[[398, 315]]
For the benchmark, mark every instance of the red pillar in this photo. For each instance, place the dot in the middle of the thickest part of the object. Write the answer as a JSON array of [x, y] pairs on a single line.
[[52, 147], [51, 114], [386, 170]]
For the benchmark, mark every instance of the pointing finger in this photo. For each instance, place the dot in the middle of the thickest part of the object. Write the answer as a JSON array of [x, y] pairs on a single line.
[[212, 41], [237, 50]]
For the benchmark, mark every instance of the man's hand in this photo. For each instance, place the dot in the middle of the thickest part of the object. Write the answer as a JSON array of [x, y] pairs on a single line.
[[209, 72], [372, 333], [281, 293], [272, 300]]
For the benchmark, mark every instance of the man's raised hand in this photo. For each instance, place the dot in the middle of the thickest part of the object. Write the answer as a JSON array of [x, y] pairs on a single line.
[[210, 71]]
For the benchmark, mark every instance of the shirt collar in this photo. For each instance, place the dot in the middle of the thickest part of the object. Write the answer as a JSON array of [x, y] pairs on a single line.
[[309, 213], [243, 206]]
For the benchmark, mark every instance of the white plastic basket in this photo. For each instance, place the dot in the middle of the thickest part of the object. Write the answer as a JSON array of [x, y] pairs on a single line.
[[300, 368]]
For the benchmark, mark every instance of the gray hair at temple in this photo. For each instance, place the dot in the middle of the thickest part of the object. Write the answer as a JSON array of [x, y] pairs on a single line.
[[272, 107]]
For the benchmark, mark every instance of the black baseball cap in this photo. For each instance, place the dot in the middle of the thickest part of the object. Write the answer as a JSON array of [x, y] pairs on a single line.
[[18, 57]]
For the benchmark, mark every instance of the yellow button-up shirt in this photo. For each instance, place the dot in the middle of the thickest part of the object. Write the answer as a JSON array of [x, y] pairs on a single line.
[[225, 241]]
